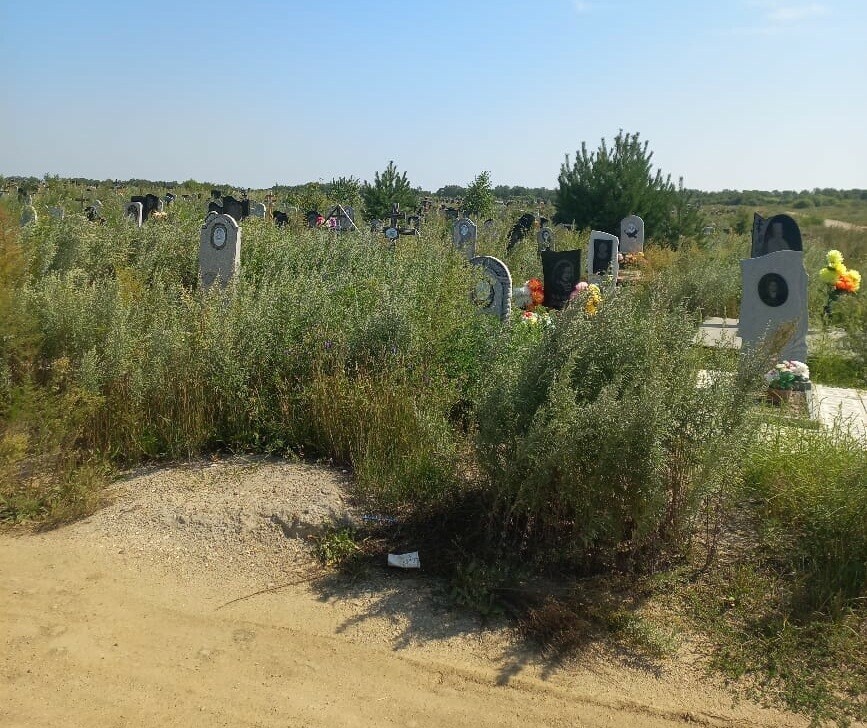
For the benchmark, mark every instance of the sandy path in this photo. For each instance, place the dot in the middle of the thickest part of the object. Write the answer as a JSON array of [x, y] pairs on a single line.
[[843, 225], [97, 631]]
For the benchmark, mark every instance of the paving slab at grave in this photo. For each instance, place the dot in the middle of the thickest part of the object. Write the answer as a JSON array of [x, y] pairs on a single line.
[[842, 407], [722, 333]]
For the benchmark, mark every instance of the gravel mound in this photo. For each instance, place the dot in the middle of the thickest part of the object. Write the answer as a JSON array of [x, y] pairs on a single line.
[[257, 516]]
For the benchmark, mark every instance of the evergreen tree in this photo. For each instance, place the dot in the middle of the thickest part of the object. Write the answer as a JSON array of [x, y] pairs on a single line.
[[388, 188], [603, 187], [479, 199]]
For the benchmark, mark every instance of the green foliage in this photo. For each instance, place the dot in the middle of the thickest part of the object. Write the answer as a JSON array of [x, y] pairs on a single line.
[[345, 191], [337, 546], [596, 441], [479, 198], [603, 187], [388, 188]]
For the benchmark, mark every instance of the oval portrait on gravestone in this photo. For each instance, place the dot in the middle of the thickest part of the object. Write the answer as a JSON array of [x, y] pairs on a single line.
[[218, 237], [773, 290], [483, 293], [465, 230]]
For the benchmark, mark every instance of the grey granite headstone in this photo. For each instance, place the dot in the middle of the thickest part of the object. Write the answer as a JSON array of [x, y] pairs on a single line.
[[219, 250], [632, 234], [134, 211], [602, 256], [257, 209], [464, 236], [545, 239], [56, 212], [493, 293], [775, 294], [28, 215]]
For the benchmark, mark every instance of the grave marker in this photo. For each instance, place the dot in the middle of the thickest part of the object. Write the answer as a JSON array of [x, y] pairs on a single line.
[[133, 212], [545, 239], [602, 256], [775, 294], [258, 209], [28, 215], [493, 293], [561, 272], [781, 232], [632, 234], [464, 233], [219, 250], [56, 213]]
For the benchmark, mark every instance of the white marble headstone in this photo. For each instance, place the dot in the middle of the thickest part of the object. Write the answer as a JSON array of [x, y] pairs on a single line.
[[775, 294], [493, 293], [632, 234], [464, 236], [602, 256], [219, 250], [134, 211]]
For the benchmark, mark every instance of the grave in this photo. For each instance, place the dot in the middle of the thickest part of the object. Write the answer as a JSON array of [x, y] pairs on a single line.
[[775, 295], [170, 198], [257, 209], [493, 293], [341, 218], [632, 234], [602, 256], [150, 204], [236, 209], [520, 230], [56, 213], [561, 272], [133, 212], [28, 215], [780, 232], [219, 250], [464, 233], [545, 239]]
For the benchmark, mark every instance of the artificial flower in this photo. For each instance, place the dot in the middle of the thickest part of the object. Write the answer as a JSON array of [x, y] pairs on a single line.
[[834, 258]]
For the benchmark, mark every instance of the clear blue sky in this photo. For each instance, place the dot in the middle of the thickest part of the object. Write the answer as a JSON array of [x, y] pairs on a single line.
[[768, 94]]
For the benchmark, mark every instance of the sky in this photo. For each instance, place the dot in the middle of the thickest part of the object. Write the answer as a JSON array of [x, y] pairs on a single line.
[[731, 94]]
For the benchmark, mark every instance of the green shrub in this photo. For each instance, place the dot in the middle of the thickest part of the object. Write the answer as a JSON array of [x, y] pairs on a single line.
[[595, 439]]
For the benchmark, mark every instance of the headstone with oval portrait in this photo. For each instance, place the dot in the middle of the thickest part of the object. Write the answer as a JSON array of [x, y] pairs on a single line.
[[219, 250], [493, 291], [545, 239], [775, 296], [28, 215], [561, 272], [464, 233], [602, 256], [134, 212], [632, 234]]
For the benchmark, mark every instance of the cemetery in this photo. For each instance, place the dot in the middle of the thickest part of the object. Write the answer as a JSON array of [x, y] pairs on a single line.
[[581, 405]]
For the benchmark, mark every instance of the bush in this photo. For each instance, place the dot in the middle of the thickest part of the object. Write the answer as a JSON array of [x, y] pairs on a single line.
[[597, 444]]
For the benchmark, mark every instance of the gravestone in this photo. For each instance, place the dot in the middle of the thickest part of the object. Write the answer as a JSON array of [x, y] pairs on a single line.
[[493, 293], [28, 215], [376, 225], [602, 256], [150, 204], [257, 209], [545, 239], [520, 230], [452, 213], [280, 218], [561, 272], [170, 198], [632, 234], [775, 294], [219, 250], [133, 212], [414, 221], [781, 232], [341, 218], [236, 209], [56, 213], [464, 234]]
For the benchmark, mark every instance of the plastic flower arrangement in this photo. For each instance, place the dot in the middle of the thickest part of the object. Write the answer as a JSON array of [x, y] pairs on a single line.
[[590, 293], [531, 318], [631, 260], [530, 295], [787, 375], [838, 278]]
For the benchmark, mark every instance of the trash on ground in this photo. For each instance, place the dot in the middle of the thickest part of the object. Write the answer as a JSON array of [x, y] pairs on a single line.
[[405, 561]]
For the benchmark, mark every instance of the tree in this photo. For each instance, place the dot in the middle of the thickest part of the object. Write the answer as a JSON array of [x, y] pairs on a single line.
[[603, 187], [345, 190], [479, 199], [388, 188]]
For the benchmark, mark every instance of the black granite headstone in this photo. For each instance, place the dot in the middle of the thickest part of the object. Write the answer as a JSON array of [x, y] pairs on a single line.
[[561, 272]]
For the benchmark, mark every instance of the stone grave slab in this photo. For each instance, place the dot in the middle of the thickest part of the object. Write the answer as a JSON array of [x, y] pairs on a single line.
[[602, 256], [632, 234], [493, 293]]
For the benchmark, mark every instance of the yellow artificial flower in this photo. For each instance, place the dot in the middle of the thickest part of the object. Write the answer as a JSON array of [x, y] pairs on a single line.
[[828, 276], [835, 258]]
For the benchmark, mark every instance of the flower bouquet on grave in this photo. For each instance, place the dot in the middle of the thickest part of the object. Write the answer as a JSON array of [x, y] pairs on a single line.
[[784, 378], [536, 318], [588, 295], [630, 261], [530, 295], [839, 279]]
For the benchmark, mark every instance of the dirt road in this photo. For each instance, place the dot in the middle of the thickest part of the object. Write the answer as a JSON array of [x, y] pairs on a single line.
[[110, 622]]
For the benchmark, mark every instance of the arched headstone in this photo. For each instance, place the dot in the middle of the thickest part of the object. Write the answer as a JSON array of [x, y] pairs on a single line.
[[602, 256], [545, 239], [493, 293], [632, 234], [219, 250], [464, 234], [133, 212]]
